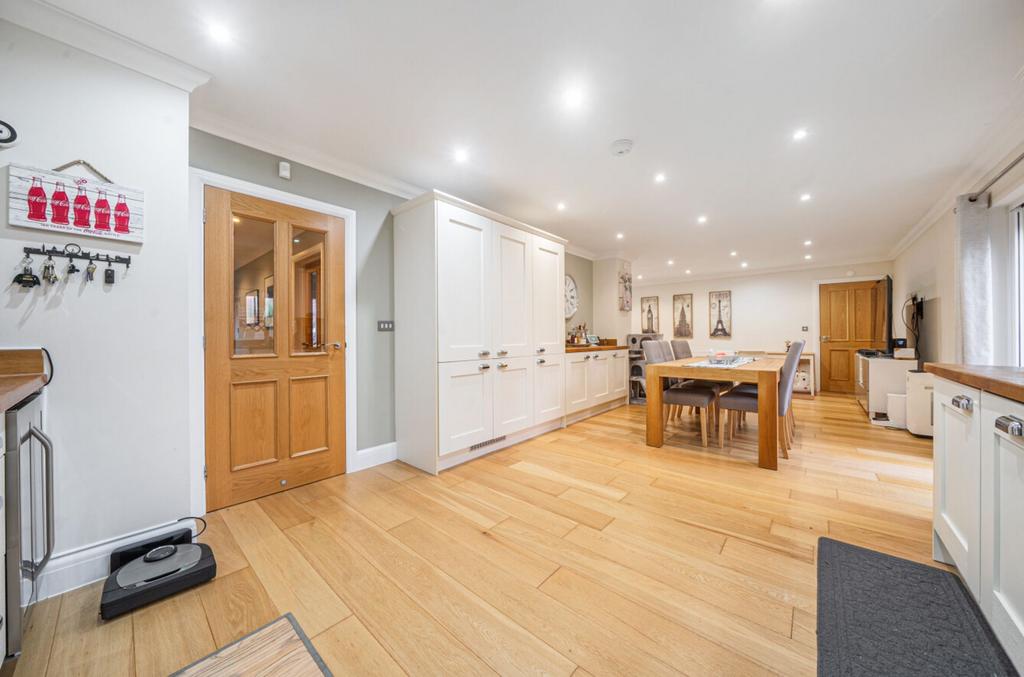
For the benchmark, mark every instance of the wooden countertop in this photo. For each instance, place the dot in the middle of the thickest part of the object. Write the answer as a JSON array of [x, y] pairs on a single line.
[[1003, 381], [590, 349], [21, 374]]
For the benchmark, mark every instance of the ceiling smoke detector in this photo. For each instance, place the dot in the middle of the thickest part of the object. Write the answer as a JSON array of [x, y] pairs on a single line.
[[621, 147]]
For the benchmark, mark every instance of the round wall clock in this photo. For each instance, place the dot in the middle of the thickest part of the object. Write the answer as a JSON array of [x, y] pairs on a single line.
[[572, 297]]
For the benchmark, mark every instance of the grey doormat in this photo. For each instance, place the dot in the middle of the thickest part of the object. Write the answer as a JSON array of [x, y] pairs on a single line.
[[882, 615]]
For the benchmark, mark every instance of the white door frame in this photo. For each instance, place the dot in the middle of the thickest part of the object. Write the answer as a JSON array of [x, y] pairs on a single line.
[[198, 180]]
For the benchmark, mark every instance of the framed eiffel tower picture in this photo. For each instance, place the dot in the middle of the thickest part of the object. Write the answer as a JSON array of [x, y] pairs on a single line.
[[720, 313], [682, 316]]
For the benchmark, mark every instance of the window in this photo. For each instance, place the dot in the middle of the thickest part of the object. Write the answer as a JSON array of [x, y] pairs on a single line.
[[1017, 227]]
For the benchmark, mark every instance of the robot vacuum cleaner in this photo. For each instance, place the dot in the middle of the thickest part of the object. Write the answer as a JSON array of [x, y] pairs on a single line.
[[150, 570]]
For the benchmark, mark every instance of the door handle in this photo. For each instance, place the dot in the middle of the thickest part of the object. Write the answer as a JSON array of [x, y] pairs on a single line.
[[541, 361], [1011, 425], [502, 353], [586, 357], [502, 365], [541, 350], [963, 403], [484, 367], [34, 568], [824, 339], [484, 353], [336, 345]]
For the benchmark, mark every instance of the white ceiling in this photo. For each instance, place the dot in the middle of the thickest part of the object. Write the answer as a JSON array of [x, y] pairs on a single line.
[[899, 97]]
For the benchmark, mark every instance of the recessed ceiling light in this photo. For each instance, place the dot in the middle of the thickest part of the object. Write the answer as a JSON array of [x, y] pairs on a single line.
[[639, 277], [702, 219], [236, 219], [460, 155], [743, 265], [671, 262], [800, 134], [560, 207], [659, 177], [807, 257], [619, 236], [733, 253], [807, 243], [687, 271], [573, 98], [218, 32], [806, 197], [295, 240]]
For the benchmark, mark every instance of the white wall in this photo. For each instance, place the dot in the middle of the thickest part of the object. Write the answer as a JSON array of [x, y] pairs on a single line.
[[927, 267], [767, 309], [609, 321], [117, 407]]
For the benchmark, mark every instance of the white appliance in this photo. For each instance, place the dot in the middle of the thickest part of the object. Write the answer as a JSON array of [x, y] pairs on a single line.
[[877, 377], [920, 394]]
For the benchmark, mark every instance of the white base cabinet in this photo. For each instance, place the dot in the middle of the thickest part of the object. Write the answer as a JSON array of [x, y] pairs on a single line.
[[1002, 521], [594, 378], [979, 502]]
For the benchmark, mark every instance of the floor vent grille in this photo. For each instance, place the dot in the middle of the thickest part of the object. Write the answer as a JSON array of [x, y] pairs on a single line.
[[486, 443]]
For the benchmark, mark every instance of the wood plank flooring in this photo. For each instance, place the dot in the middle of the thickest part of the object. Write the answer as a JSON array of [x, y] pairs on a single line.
[[579, 552]]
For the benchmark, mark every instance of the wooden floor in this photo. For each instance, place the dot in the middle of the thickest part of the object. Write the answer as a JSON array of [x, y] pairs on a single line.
[[580, 552]]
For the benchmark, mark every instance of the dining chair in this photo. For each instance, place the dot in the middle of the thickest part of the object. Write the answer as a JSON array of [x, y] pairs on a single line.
[[682, 393], [739, 402]]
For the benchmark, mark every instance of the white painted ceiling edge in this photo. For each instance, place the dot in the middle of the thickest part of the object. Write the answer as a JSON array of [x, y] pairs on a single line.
[[1006, 136], [43, 18]]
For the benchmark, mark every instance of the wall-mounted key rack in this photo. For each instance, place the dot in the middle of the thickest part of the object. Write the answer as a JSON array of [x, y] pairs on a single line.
[[71, 252]]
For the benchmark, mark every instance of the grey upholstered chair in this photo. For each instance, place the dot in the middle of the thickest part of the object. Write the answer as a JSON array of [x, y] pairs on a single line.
[[742, 402], [679, 395]]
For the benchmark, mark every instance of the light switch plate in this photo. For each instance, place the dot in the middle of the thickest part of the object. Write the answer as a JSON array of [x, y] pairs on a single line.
[[385, 325], [284, 170]]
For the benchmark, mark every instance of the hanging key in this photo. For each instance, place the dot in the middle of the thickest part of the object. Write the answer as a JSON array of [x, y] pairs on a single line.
[[90, 271]]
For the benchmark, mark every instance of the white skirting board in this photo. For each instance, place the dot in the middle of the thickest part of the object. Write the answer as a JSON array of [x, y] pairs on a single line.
[[457, 458], [75, 568], [371, 456]]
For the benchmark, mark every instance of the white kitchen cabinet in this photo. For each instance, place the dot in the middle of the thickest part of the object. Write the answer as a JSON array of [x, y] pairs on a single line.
[[1002, 521], [465, 404], [576, 396], [474, 290], [464, 283], [513, 287], [618, 375], [548, 388], [548, 296], [957, 467], [598, 378], [513, 394]]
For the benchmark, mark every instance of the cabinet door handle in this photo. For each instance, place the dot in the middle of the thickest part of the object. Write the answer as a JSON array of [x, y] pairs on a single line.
[[502, 365], [541, 350], [963, 403], [586, 357], [1011, 425], [502, 353], [484, 353], [542, 361], [598, 357], [484, 367]]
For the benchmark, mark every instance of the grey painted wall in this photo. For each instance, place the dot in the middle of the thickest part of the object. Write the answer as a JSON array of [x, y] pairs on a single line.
[[582, 270], [375, 366]]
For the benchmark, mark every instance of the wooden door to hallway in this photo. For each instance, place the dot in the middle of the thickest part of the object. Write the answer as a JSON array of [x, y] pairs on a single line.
[[852, 317], [275, 347]]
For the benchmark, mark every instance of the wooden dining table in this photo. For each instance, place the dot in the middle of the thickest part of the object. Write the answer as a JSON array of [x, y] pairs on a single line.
[[764, 371]]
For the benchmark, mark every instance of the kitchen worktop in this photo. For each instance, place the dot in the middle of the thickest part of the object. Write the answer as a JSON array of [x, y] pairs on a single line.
[[21, 374], [1006, 382], [589, 349]]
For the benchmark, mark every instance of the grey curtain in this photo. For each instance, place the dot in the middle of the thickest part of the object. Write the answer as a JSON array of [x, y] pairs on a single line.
[[974, 260]]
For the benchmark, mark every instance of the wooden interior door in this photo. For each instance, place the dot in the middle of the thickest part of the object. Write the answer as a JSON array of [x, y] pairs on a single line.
[[852, 317], [275, 347]]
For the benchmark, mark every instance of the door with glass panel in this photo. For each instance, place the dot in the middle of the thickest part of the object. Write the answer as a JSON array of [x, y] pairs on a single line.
[[275, 347]]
